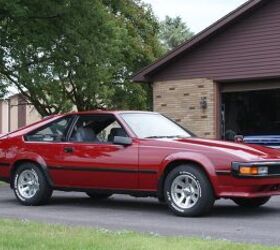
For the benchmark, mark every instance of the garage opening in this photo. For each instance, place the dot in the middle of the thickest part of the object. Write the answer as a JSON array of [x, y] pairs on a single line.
[[251, 113]]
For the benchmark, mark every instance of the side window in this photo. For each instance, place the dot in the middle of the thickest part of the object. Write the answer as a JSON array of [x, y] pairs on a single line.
[[53, 132], [97, 129]]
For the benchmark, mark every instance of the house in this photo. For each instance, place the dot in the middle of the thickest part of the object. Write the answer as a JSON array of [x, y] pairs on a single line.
[[16, 112], [225, 80]]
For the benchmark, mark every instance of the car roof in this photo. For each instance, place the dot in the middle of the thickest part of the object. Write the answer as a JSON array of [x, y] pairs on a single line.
[[112, 112], [51, 118]]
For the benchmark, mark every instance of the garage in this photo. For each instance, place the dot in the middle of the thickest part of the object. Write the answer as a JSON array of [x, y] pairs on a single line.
[[225, 80], [250, 113]]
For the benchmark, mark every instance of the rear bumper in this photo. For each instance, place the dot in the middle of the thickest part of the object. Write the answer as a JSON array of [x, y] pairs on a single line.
[[4, 172]]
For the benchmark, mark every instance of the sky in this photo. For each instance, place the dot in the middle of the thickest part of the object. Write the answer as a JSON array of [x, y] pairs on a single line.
[[197, 14]]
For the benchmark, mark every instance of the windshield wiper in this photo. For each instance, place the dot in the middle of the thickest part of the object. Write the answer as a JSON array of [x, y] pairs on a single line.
[[155, 137], [176, 136], [166, 136]]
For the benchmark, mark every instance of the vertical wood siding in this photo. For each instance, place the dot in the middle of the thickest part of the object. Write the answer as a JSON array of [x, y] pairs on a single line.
[[21, 112], [249, 48]]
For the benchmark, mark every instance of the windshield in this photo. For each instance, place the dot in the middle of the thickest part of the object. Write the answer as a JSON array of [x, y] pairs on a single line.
[[154, 126]]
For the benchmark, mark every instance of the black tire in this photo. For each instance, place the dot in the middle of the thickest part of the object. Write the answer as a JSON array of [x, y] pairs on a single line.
[[251, 203], [44, 191], [161, 199], [204, 194], [98, 196]]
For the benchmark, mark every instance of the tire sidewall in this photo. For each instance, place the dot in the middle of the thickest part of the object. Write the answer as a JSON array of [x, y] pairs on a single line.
[[35, 200], [205, 197]]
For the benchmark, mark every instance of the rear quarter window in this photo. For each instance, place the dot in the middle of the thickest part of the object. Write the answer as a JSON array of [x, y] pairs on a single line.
[[53, 132]]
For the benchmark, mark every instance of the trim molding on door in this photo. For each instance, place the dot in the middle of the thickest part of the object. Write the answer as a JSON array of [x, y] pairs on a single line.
[[4, 164], [223, 172], [99, 169]]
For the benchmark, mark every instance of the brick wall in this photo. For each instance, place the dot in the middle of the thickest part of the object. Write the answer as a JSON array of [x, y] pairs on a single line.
[[180, 100]]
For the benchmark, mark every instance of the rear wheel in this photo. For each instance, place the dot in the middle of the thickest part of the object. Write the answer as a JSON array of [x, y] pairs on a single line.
[[251, 203], [188, 192], [98, 196], [30, 185]]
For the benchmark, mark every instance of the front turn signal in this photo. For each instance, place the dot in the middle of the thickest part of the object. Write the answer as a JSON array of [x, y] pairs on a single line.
[[245, 170], [248, 170]]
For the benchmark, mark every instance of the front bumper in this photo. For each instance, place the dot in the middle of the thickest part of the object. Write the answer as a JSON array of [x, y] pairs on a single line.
[[234, 184]]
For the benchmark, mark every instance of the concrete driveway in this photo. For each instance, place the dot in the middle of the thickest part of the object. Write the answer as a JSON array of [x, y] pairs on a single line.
[[227, 221]]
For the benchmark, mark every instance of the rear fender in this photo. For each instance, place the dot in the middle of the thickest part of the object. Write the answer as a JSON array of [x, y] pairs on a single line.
[[31, 157]]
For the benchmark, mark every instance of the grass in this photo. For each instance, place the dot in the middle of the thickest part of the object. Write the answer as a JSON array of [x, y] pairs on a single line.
[[29, 235]]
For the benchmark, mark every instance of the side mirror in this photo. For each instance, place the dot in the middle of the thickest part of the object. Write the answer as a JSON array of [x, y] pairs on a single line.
[[121, 140], [239, 138]]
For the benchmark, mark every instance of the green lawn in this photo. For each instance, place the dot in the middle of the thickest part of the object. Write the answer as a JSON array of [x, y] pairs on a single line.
[[27, 235]]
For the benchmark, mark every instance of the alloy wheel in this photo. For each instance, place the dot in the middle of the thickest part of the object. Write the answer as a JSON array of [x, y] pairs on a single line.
[[185, 191]]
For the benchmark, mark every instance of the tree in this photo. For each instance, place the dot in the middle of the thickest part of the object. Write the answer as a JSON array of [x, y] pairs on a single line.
[[173, 32], [142, 47], [82, 53]]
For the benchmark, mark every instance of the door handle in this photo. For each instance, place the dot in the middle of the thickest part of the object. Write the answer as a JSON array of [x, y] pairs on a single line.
[[68, 150]]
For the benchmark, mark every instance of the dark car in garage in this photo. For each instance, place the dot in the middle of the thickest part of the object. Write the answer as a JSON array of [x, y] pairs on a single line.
[[272, 141]]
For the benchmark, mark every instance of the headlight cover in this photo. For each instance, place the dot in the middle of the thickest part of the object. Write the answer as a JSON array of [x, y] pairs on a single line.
[[257, 169]]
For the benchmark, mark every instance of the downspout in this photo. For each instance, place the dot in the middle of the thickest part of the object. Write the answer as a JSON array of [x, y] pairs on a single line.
[[9, 115], [150, 85]]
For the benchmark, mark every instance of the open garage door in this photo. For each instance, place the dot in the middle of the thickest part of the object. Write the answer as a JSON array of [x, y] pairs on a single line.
[[250, 113]]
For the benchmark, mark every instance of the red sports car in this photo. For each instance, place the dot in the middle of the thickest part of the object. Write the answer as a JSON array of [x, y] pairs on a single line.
[[137, 153]]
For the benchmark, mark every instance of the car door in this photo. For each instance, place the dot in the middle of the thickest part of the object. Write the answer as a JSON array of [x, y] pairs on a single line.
[[46, 145], [94, 161]]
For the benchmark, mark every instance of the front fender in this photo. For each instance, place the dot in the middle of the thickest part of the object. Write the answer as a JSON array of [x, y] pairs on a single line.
[[200, 159]]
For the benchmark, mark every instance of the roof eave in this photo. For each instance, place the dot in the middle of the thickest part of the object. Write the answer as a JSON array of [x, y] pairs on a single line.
[[143, 74]]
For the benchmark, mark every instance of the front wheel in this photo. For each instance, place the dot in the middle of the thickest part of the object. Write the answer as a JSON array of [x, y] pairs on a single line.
[[30, 185], [188, 192], [251, 202]]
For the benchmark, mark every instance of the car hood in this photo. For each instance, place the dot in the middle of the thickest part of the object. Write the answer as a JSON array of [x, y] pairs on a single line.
[[217, 148]]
